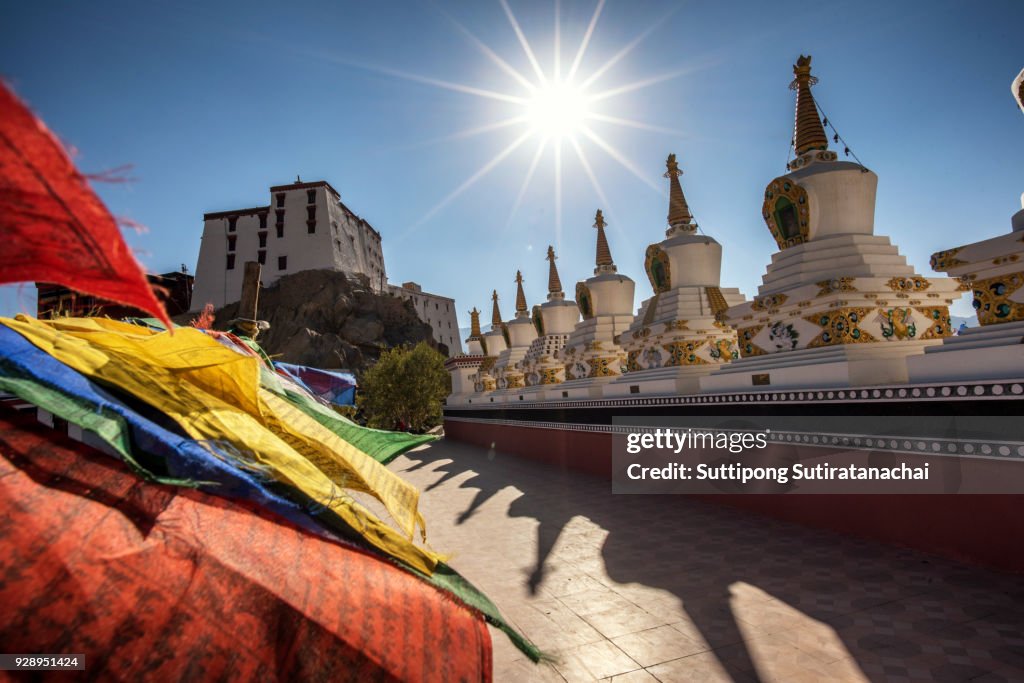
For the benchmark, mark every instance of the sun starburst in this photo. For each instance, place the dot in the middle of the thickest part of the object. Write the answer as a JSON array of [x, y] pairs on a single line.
[[555, 109]]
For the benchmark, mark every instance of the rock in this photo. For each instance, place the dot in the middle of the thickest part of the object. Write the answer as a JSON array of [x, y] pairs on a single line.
[[326, 319], [362, 330]]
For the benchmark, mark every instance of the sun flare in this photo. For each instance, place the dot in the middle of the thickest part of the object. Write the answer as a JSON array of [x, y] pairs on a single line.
[[558, 110]]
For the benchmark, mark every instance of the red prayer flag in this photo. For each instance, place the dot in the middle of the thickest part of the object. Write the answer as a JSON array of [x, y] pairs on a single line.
[[53, 226], [153, 583]]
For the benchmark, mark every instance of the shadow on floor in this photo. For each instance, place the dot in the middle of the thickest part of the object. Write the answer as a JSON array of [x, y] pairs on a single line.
[[887, 605]]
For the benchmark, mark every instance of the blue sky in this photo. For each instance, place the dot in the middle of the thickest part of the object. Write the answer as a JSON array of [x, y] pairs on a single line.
[[213, 104]]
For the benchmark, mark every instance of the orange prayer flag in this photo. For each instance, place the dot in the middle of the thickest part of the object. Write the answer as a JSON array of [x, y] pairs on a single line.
[[53, 227]]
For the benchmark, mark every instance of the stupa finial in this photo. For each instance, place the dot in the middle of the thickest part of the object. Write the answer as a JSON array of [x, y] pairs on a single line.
[[554, 282], [809, 133], [474, 324], [520, 295], [604, 254], [495, 313], [679, 216]]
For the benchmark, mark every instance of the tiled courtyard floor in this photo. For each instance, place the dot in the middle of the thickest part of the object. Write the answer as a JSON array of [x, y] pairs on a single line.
[[664, 588]]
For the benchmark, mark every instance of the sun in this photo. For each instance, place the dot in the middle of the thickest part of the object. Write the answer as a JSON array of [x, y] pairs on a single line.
[[558, 110], [555, 109]]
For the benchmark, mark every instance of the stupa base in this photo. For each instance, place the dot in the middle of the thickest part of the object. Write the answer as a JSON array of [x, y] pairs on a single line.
[[507, 395], [990, 352], [478, 398], [541, 392], [668, 381], [850, 365], [591, 387]]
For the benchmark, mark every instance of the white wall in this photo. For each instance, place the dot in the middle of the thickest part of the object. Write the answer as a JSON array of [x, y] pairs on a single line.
[[340, 241], [438, 312]]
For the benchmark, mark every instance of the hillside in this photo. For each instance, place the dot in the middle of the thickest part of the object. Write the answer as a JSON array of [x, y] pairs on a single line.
[[326, 319]]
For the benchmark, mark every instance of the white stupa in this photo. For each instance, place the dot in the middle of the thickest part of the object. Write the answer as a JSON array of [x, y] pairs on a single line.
[[993, 271], [677, 336], [592, 357], [839, 306], [555, 320], [464, 367], [519, 333], [492, 344]]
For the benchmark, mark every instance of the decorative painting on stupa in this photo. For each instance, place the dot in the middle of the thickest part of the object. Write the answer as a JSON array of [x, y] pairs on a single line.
[[605, 303], [554, 321], [492, 344], [992, 270], [519, 334], [681, 324], [833, 281]]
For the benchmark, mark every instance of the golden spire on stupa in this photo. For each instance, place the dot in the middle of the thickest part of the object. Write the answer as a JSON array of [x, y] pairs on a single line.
[[520, 296], [604, 254], [679, 216], [554, 282], [474, 324], [809, 133], [495, 313]]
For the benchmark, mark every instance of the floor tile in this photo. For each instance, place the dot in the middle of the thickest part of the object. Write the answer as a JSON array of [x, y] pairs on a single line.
[[593, 662], [657, 645], [693, 590]]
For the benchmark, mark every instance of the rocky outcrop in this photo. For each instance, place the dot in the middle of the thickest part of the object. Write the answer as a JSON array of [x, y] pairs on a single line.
[[327, 319]]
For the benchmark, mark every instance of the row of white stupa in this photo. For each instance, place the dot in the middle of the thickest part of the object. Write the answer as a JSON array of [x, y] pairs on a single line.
[[838, 306]]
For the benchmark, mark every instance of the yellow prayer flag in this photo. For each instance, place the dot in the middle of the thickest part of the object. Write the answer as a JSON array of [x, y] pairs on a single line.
[[213, 393]]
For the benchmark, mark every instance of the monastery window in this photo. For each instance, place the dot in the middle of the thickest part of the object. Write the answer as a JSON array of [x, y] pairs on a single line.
[[263, 240], [263, 221], [231, 262], [311, 212], [437, 307], [231, 242], [786, 218], [310, 196], [261, 256], [280, 229], [280, 200], [311, 226], [232, 223], [279, 217], [282, 262]]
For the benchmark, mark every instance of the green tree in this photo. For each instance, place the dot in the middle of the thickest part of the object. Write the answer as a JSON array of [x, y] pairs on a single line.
[[404, 388]]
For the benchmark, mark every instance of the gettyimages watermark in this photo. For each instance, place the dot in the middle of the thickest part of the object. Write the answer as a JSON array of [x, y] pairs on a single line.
[[818, 455]]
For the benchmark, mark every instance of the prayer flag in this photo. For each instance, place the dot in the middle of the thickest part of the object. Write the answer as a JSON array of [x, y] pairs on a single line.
[[53, 226]]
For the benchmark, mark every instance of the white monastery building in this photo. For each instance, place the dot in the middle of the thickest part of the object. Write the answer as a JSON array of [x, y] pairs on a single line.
[[306, 226], [435, 310]]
